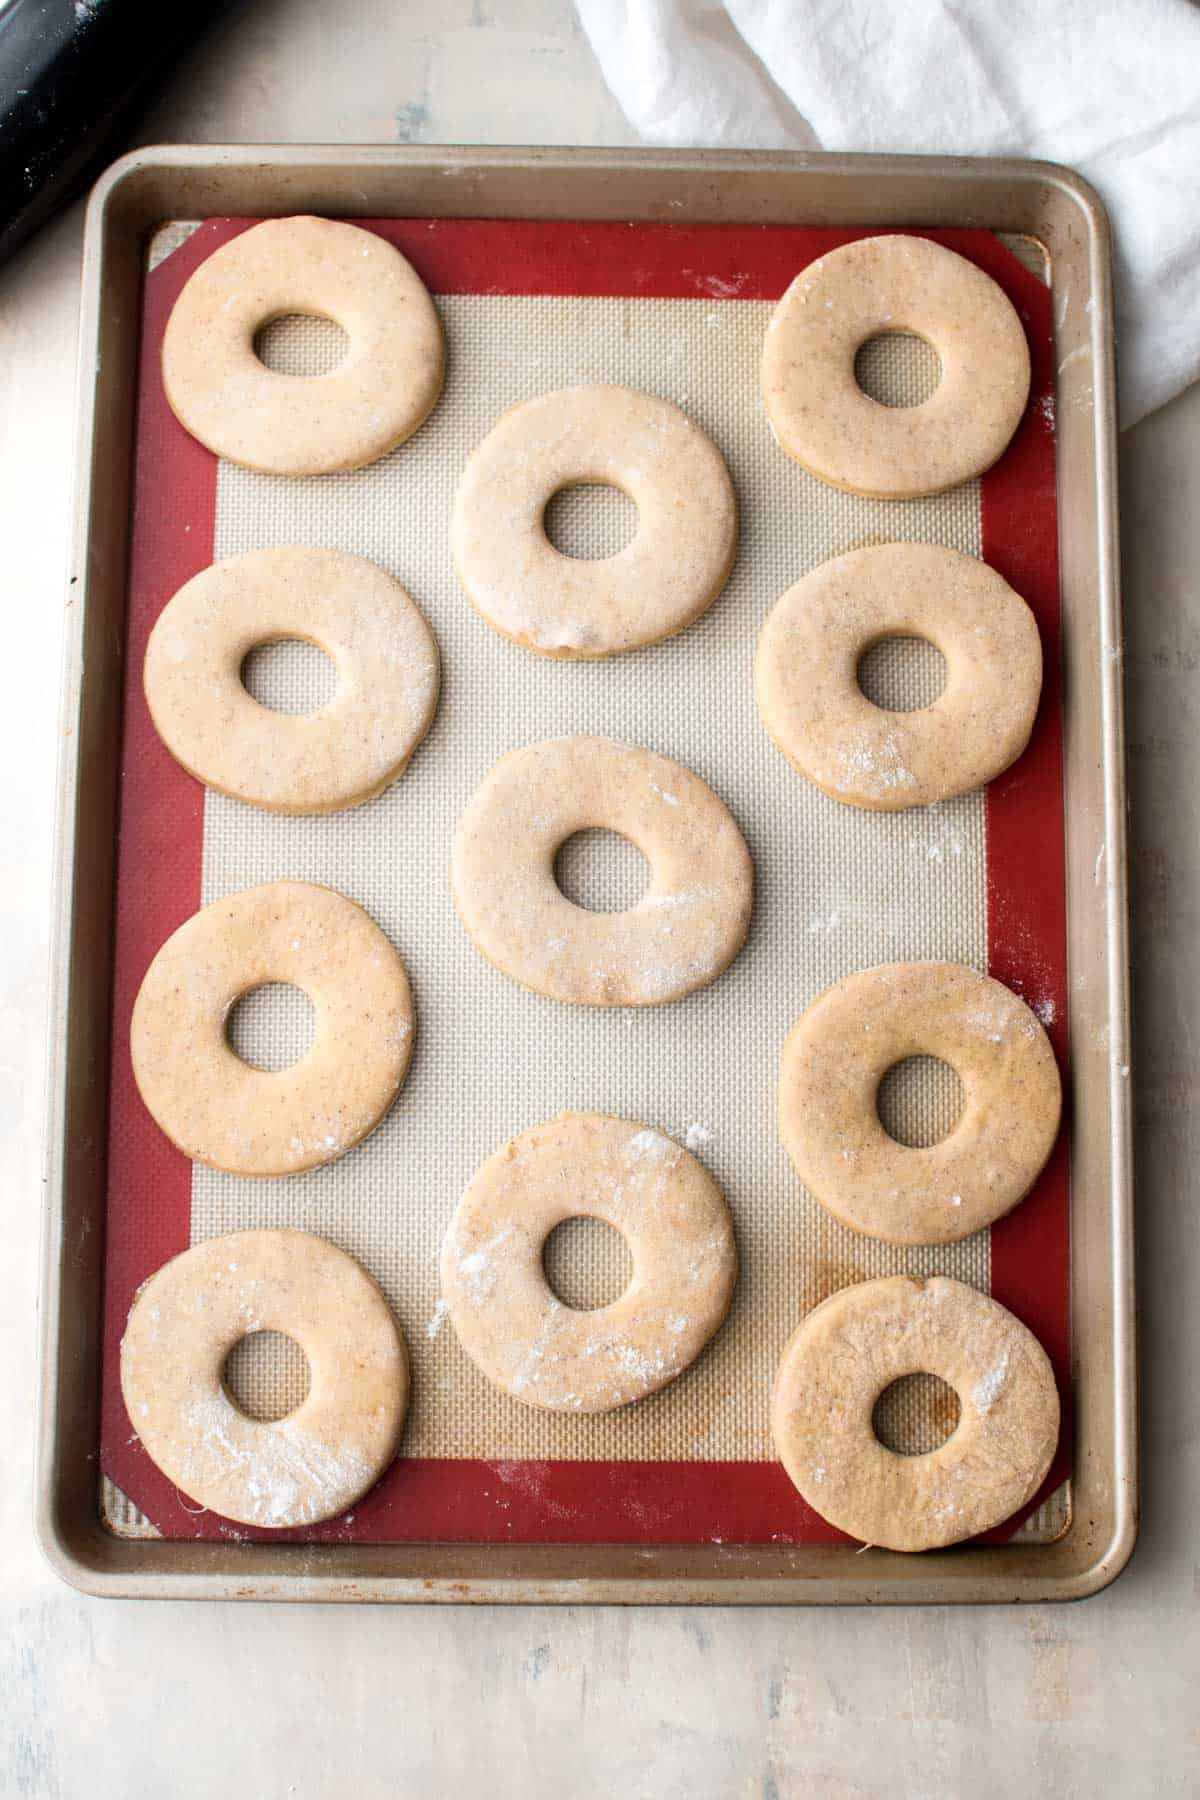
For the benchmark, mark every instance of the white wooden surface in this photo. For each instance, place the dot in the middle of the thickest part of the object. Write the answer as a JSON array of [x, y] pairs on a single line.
[[163, 1700]]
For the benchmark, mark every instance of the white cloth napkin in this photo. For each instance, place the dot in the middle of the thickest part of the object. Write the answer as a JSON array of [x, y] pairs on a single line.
[[1110, 87]]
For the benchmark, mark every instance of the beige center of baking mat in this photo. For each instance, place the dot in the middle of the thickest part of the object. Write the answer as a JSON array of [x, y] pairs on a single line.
[[838, 889]]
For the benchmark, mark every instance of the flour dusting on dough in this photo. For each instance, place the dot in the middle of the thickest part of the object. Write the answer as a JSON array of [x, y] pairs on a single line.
[[478, 1269], [861, 761], [580, 1359], [989, 1387], [651, 1146], [288, 1476]]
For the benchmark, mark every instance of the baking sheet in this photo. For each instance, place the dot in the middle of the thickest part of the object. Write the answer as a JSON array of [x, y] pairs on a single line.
[[838, 889]]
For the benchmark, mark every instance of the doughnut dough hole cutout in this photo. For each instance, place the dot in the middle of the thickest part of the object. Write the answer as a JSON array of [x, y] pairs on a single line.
[[853, 1346], [218, 1109], [680, 1235], [822, 418], [342, 754], [387, 383], [183, 1324], [806, 675], [687, 927], [673, 568], [838, 1053]]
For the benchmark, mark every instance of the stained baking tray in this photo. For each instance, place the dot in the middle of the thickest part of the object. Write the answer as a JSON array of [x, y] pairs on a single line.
[[1049, 206]]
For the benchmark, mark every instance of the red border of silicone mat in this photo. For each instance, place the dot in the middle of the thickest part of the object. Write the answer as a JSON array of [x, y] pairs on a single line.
[[161, 832]]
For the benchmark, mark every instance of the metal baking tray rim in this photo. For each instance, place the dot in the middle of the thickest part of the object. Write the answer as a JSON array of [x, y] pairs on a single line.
[[147, 187]]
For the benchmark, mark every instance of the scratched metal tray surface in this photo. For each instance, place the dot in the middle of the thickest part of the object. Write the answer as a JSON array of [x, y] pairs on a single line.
[[88, 1538]]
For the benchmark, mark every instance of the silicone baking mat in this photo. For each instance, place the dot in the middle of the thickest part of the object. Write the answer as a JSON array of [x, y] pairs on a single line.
[[679, 311]]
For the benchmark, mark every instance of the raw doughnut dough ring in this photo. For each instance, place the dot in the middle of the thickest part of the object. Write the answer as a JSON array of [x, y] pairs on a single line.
[[340, 755], [673, 569], [676, 1222], [822, 418], [186, 1319], [685, 930], [853, 1346], [387, 383], [837, 1055], [806, 675], [247, 1121]]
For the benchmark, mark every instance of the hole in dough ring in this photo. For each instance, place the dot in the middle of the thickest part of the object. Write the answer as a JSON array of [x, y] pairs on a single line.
[[838, 1053], [806, 675], [852, 1347], [386, 384], [345, 752], [680, 1235], [218, 1109], [822, 418], [672, 569], [186, 1319], [688, 926]]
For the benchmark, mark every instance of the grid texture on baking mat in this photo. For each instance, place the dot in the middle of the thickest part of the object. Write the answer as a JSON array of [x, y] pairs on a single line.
[[838, 889]]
